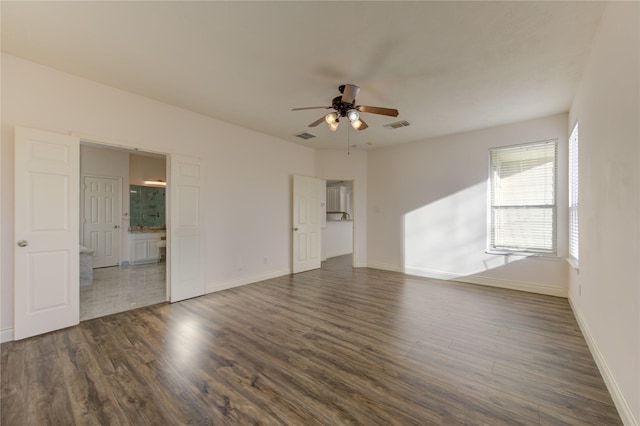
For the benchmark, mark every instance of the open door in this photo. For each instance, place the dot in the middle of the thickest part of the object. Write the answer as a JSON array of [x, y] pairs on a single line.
[[307, 194], [185, 251], [46, 276]]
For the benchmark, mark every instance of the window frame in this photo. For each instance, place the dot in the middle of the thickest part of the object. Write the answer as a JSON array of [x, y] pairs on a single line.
[[522, 250], [573, 181]]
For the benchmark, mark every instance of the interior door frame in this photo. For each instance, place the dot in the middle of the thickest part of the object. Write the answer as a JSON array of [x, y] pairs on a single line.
[[106, 143], [354, 244], [122, 192]]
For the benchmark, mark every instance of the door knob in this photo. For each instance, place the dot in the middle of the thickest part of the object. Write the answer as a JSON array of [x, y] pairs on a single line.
[[295, 229], [23, 243], [115, 227]]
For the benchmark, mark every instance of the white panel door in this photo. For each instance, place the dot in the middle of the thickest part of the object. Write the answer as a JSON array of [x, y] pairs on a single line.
[[306, 223], [185, 251], [101, 219], [46, 281]]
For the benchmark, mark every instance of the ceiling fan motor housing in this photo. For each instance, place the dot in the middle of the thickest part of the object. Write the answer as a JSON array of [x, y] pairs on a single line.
[[342, 107]]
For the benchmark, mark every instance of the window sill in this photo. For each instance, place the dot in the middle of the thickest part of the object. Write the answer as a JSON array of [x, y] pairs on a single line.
[[541, 256], [574, 263]]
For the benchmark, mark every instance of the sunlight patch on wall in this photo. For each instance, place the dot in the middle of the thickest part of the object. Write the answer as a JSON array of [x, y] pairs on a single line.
[[448, 237]]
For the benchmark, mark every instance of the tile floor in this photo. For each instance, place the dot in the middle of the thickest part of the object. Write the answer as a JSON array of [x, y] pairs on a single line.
[[118, 289]]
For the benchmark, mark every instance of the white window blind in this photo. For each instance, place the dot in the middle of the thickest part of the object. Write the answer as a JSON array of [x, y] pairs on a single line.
[[522, 198], [573, 193]]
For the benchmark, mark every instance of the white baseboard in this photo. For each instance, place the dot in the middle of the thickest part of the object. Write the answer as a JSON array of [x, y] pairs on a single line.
[[530, 287], [616, 394], [225, 285], [6, 335], [386, 267]]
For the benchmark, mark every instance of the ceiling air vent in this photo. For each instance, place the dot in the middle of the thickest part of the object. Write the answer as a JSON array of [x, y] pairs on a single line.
[[305, 135], [397, 124]]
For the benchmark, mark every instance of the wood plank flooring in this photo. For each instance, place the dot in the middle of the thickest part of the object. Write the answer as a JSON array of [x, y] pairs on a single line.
[[334, 346]]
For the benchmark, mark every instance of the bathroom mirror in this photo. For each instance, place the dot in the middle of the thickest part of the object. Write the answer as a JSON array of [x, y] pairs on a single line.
[[147, 206]]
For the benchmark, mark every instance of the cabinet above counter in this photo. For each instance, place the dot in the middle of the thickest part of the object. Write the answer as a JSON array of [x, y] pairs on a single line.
[[338, 199]]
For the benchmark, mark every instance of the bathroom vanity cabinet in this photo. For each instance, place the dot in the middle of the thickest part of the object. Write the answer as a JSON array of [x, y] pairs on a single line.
[[143, 247]]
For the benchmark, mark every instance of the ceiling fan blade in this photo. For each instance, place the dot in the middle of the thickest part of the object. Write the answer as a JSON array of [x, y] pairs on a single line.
[[318, 121], [363, 125], [391, 112], [318, 107], [350, 93]]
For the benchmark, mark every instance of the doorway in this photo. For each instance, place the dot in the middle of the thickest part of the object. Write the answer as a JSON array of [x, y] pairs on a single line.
[[47, 228], [338, 226], [123, 229]]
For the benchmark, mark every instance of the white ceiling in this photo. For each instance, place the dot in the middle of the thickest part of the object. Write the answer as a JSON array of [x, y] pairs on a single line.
[[448, 67]]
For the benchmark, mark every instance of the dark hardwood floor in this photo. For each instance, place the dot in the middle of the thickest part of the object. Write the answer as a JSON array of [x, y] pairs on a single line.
[[332, 347]]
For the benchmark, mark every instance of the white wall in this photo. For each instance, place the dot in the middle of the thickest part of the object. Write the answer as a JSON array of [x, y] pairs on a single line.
[[427, 210], [605, 292], [142, 167], [338, 165], [96, 161], [247, 200]]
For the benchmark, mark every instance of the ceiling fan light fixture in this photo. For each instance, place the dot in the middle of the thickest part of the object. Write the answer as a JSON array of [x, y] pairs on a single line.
[[356, 124], [332, 120], [353, 115]]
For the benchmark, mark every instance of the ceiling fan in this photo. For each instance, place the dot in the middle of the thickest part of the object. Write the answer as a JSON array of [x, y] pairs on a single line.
[[345, 106]]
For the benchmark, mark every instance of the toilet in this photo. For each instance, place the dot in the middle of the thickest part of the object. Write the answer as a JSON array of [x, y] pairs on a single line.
[[162, 245]]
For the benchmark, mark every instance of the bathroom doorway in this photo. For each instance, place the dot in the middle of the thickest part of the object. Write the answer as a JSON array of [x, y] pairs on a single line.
[[128, 229]]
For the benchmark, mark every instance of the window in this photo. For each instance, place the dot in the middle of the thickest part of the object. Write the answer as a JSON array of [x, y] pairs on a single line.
[[522, 198], [573, 193]]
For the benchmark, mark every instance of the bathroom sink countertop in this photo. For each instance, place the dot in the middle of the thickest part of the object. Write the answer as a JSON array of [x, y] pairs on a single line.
[[145, 231]]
